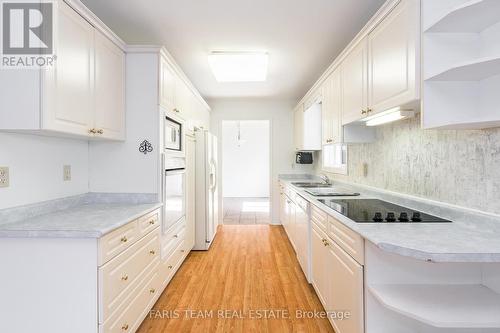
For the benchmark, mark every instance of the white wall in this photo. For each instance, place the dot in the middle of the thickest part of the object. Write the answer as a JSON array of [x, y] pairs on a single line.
[[245, 163], [36, 168], [119, 166], [279, 112]]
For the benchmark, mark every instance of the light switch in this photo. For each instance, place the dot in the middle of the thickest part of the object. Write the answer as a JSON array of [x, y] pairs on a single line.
[[67, 173], [4, 176]]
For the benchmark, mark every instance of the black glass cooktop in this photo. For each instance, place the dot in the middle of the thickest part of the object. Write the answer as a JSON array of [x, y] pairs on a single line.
[[378, 211]]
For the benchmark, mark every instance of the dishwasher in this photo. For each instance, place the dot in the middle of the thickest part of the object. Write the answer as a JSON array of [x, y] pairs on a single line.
[[303, 235]]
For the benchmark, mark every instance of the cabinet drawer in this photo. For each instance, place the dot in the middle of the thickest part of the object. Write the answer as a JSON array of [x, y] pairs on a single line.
[[319, 217], [117, 241], [170, 265], [148, 222], [122, 273], [173, 238], [132, 311], [347, 239]]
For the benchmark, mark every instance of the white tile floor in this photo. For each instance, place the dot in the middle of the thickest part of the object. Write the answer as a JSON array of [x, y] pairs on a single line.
[[247, 211]]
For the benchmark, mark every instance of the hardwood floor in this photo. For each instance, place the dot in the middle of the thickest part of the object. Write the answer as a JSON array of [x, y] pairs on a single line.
[[252, 272]]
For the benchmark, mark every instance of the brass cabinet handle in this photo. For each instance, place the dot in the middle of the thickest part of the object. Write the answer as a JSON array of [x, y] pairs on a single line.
[[176, 110], [125, 277], [152, 252], [170, 267], [369, 110], [100, 131], [124, 239], [176, 236], [182, 251], [364, 112], [125, 327], [152, 222], [92, 131], [152, 290]]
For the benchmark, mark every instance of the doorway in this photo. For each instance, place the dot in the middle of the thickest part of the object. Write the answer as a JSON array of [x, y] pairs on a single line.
[[246, 171]]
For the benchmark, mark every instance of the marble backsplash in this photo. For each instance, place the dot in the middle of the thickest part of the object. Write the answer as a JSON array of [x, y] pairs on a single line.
[[456, 167]]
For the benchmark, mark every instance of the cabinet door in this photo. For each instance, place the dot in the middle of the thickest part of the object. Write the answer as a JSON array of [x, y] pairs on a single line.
[[68, 86], [190, 191], [282, 208], [354, 84], [167, 85], [298, 125], [318, 264], [327, 113], [332, 109], [392, 54], [109, 89], [345, 290], [336, 107]]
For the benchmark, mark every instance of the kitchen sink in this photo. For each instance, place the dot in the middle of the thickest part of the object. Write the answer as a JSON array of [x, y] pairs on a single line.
[[311, 184]]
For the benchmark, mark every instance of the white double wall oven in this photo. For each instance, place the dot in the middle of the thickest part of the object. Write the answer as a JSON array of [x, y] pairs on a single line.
[[174, 172]]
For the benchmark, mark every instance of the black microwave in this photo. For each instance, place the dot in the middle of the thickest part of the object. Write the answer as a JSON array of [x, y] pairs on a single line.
[[303, 157]]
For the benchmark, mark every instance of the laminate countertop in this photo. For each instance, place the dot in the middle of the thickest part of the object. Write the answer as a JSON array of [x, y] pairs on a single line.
[[472, 237], [77, 217]]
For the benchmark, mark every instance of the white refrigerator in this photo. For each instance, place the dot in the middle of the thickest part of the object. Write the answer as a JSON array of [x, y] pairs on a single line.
[[207, 194]]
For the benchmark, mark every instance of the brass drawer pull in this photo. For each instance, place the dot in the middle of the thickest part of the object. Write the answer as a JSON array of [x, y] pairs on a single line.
[[125, 327], [152, 222], [152, 252], [124, 239], [152, 290], [125, 277], [92, 131], [182, 251], [364, 112], [100, 131], [170, 267], [176, 236]]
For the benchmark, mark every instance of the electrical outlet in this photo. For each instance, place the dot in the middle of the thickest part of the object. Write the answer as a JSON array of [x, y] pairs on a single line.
[[4, 176], [365, 169], [67, 173]]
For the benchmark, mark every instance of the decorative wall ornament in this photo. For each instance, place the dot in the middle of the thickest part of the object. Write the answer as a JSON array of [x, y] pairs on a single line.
[[145, 147]]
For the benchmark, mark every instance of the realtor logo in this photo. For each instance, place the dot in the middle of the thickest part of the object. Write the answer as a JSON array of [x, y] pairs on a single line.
[[27, 34]]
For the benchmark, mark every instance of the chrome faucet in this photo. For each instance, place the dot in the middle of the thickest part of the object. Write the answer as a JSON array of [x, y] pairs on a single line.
[[325, 179]]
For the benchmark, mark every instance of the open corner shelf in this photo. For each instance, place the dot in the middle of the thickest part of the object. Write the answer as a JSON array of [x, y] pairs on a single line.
[[476, 70], [473, 16], [442, 306]]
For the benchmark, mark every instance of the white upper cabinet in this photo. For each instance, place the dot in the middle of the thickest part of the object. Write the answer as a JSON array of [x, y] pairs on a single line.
[[379, 70], [69, 85], [82, 95], [167, 85], [109, 89], [298, 126], [332, 109], [393, 59], [177, 96], [354, 84], [308, 126]]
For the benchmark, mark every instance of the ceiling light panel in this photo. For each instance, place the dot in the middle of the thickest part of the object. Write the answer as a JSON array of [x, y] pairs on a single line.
[[239, 66]]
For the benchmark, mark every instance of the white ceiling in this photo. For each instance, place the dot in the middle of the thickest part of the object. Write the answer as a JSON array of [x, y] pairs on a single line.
[[302, 37]]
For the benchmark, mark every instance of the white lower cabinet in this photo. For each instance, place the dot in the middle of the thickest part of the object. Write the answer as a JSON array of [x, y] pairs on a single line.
[[345, 289], [336, 276]]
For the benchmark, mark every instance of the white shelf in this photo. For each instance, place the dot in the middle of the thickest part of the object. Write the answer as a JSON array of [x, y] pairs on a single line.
[[477, 70], [472, 16], [442, 306]]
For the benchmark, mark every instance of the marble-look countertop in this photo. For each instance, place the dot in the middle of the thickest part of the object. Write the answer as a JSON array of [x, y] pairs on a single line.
[[83, 219], [472, 237]]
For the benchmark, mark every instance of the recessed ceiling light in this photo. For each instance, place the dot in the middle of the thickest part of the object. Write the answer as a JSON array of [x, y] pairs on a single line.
[[239, 66]]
